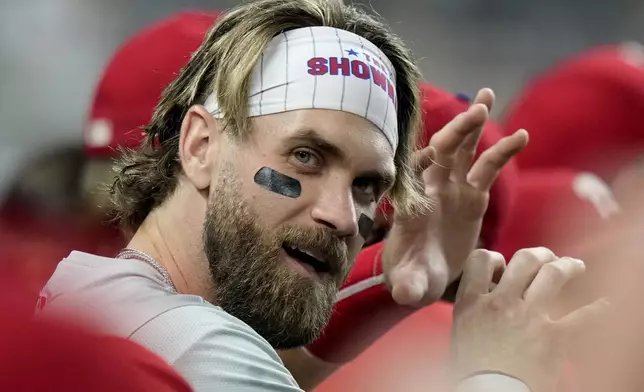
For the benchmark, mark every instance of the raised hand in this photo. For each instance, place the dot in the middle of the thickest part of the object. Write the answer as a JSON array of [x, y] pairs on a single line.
[[424, 253]]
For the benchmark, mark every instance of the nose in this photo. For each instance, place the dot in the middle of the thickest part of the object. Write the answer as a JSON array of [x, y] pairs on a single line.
[[336, 210]]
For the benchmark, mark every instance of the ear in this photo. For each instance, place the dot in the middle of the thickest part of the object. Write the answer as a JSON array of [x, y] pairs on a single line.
[[199, 138]]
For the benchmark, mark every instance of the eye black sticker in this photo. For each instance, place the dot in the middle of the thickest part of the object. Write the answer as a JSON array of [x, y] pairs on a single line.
[[365, 224], [277, 182]]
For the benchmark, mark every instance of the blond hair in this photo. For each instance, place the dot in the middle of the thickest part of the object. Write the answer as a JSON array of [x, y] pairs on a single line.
[[224, 63]]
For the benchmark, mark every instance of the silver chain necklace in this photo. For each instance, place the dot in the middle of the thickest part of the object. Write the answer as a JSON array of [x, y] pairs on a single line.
[[135, 254]]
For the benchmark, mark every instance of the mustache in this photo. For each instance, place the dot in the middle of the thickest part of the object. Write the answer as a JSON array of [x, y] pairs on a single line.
[[332, 248]]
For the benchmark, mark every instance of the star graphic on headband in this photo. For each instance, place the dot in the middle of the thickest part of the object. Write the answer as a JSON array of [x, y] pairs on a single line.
[[352, 52]]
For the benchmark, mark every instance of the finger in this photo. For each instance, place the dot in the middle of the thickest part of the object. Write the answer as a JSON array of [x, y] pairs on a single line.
[[478, 274], [467, 151], [486, 97], [423, 159], [465, 156], [447, 141], [581, 317], [551, 278], [487, 168], [521, 271]]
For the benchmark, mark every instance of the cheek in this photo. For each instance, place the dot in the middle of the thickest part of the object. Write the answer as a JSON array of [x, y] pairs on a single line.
[[272, 209], [264, 190]]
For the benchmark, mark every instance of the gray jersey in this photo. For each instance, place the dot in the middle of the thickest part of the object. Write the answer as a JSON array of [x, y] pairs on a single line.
[[213, 350]]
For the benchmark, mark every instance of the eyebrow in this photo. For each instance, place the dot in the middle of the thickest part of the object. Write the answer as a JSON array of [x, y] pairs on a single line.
[[312, 136], [384, 177]]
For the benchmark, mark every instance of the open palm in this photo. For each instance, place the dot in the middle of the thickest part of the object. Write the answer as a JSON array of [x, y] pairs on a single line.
[[424, 253]]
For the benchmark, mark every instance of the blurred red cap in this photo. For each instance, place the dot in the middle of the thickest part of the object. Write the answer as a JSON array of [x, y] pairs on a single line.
[[584, 113], [439, 108], [133, 81], [555, 208]]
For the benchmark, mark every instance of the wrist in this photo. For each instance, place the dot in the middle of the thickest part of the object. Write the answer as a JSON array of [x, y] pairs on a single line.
[[492, 381]]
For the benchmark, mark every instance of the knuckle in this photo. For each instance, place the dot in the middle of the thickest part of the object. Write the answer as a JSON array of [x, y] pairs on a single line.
[[485, 257], [578, 266], [498, 303], [538, 256], [556, 270], [496, 258]]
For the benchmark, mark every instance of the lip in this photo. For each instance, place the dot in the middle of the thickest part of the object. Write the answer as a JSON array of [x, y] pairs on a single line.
[[303, 269], [318, 255]]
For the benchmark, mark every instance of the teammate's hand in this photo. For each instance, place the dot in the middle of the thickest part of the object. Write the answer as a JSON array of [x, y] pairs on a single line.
[[424, 253], [507, 329]]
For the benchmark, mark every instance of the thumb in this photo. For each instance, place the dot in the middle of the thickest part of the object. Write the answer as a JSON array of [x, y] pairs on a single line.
[[581, 317], [408, 285]]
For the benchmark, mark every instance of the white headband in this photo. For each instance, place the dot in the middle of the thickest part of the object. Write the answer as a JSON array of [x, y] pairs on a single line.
[[323, 68]]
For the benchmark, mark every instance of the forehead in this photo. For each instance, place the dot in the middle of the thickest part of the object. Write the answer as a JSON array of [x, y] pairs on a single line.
[[358, 139]]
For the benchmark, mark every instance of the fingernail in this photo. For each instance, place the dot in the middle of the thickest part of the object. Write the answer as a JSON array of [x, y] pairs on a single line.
[[481, 105], [487, 89], [580, 262], [576, 262], [521, 131]]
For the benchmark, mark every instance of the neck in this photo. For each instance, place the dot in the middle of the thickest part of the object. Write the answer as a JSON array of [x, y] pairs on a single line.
[[174, 240]]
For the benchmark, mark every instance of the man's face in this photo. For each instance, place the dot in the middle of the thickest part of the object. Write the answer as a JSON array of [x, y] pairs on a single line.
[[279, 250]]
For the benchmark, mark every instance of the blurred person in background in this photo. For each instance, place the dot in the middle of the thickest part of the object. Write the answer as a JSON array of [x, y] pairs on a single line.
[[609, 353], [580, 193], [410, 278], [583, 113], [126, 95], [585, 130], [63, 355], [584, 121], [558, 207], [45, 215]]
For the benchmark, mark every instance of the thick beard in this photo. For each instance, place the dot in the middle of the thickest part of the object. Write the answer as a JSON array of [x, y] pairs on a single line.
[[285, 308]]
